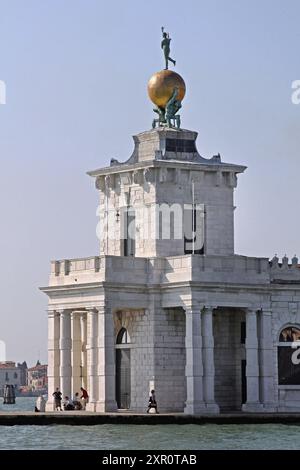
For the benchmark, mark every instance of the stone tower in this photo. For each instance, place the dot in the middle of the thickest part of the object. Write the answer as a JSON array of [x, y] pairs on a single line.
[[166, 303], [163, 191]]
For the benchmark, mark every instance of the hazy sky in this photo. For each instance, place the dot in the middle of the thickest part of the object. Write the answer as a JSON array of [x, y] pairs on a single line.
[[76, 74]]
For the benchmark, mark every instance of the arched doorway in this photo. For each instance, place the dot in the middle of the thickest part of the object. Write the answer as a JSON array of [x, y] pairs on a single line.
[[123, 369]]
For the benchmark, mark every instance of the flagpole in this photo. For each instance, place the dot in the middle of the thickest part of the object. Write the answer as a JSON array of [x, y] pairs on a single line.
[[193, 216]]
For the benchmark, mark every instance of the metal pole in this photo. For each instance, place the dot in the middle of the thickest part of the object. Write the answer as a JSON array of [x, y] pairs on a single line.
[[193, 216]]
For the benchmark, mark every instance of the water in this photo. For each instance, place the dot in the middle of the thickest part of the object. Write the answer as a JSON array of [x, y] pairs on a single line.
[[168, 437], [22, 404], [129, 436]]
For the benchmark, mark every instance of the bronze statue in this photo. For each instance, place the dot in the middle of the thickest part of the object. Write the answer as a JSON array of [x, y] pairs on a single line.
[[172, 107], [167, 116], [165, 45], [166, 89], [161, 120]]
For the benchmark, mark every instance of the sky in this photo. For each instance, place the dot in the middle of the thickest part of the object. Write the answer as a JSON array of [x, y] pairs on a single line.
[[76, 73]]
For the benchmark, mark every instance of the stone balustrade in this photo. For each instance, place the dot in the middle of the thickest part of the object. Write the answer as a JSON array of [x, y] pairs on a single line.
[[209, 268], [285, 271]]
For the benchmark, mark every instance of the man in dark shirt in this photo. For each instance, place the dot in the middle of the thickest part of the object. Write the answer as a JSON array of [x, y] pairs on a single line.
[[57, 399]]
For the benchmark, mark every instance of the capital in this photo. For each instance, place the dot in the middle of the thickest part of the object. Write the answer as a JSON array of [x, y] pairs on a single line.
[[192, 308], [251, 311], [209, 309], [53, 313], [91, 310], [266, 311]]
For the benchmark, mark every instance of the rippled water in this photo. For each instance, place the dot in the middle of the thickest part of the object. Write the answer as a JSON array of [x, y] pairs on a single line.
[[22, 404], [168, 437]]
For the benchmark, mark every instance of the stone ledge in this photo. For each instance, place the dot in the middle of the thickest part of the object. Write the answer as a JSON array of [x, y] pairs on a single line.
[[90, 419]]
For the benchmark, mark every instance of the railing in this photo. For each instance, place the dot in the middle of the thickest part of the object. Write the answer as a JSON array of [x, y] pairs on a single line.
[[67, 266], [122, 269]]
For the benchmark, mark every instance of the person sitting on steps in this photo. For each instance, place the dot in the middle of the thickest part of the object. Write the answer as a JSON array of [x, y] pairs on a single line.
[[68, 404], [76, 402]]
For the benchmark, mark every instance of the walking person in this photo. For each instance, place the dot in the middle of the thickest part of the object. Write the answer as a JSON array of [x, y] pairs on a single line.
[[57, 399], [152, 405]]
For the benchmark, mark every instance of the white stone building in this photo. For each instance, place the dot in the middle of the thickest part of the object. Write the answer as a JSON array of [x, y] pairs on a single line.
[[9, 375], [210, 330]]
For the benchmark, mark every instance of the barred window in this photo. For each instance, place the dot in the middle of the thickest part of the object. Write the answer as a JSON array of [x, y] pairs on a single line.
[[180, 145]]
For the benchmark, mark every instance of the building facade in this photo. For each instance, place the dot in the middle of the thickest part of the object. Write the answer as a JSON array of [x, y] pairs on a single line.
[[23, 372], [9, 375], [37, 378], [166, 303]]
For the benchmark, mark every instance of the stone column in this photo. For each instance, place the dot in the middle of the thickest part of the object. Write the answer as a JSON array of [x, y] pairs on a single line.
[[266, 362], [92, 358], [65, 353], [106, 361], [252, 369], [194, 367], [83, 325], [53, 357], [76, 352], [208, 360]]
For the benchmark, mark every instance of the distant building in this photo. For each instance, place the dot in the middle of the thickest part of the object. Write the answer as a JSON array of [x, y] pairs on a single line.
[[9, 374], [23, 372], [37, 377]]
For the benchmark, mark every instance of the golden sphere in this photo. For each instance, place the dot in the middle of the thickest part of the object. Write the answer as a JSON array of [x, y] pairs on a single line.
[[161, 87]]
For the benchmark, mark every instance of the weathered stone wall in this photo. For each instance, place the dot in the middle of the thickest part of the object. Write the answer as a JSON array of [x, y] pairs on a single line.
[[138, 326], [213, 190], [158, 362], [170, 358]]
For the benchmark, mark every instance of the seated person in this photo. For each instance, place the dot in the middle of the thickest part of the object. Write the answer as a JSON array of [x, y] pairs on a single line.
[[76, 402], [40, 404], [68, 404]]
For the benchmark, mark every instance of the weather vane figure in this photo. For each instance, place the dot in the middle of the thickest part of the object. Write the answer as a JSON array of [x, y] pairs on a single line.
[[165, 45], [166, 89]]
